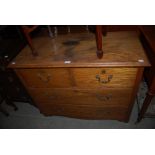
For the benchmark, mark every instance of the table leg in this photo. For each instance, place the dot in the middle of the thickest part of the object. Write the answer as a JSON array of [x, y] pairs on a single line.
[[10, 103], [146, 103], [27, 32], [99, 41], [4, 111]]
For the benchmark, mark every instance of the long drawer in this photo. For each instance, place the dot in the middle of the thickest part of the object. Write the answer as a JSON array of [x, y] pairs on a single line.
[[85, 112], [79, 77], [102, 97]]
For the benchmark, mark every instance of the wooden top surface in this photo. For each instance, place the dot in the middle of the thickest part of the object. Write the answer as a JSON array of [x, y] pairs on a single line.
[[79, 50]]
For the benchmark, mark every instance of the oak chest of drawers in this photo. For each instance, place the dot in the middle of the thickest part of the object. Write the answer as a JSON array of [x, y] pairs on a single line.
[[67, 78]]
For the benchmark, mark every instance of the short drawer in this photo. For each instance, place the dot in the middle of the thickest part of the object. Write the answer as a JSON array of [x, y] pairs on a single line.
[[104, 77], [103, 98], [45, 78], [84, 112]]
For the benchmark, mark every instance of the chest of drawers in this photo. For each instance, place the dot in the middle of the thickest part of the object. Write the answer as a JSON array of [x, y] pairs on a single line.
[[67, 78]]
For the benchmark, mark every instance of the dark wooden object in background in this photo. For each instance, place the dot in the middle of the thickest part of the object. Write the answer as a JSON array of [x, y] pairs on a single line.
[[104, 30], [27, 30], [99, 51], [114, 28], [4, 96], [147, 36], [11, 89]]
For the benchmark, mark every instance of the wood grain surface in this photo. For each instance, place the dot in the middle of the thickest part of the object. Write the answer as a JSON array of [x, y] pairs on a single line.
[[79, 77], [89, 97], [68, 79], [84, 112], [79, 50]]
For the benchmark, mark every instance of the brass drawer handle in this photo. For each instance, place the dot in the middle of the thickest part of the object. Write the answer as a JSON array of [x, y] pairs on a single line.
[[102, 80], [104, 97], [43, 78]]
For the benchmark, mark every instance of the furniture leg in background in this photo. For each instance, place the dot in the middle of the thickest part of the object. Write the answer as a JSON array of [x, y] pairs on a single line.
[[27, 30], [7, 99], [10, 103], [147, 37], [99, 51], [149, 96], [1, 108], [4, 111]]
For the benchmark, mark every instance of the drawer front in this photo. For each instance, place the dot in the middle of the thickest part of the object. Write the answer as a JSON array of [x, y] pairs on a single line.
[[103, 98], [104, 77], [46, 78], [87, 78], [84, 112]]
